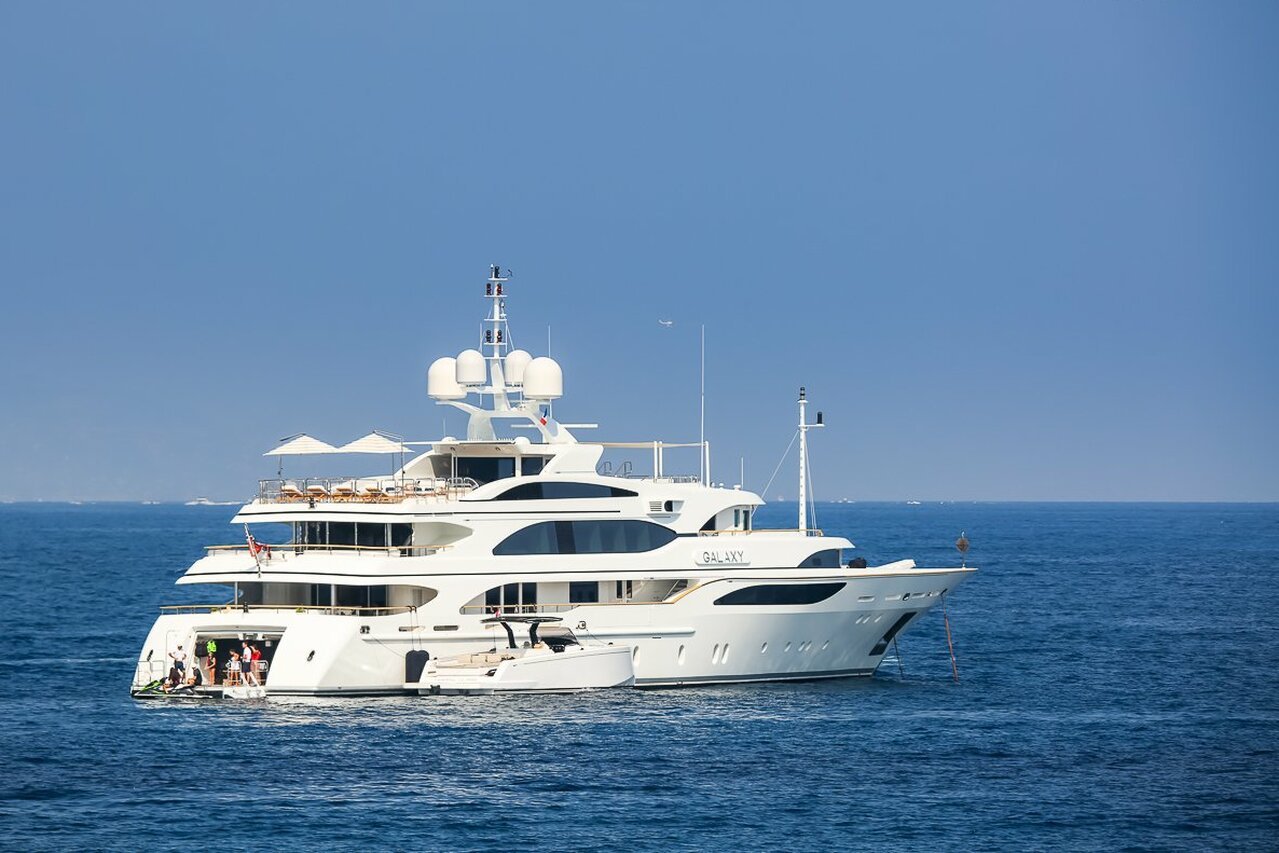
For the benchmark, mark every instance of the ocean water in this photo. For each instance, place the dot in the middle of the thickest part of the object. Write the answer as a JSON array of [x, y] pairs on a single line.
[[1119, 688]]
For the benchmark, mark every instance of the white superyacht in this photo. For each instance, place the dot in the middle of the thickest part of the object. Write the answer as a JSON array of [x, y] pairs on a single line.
[[382, 573]]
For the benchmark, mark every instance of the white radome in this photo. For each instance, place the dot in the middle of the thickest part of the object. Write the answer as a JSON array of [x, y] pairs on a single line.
[[470, 368], [543, 379], [441, 380], [514, 365]]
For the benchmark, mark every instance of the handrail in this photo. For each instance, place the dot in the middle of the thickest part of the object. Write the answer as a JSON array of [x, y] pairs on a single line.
[[811, 531], [284, 549], [360, 489], [561, 607], [332, 610]]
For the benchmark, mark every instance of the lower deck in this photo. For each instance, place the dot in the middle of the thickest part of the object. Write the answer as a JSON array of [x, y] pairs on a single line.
[[836, 625]]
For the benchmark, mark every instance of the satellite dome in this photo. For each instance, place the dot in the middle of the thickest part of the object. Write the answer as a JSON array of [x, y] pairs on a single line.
[[514, 365], [470, 368], [543, 379], [441, 380]]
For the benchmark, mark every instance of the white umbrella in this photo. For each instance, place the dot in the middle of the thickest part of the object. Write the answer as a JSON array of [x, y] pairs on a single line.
[[374, 442], [300, 444]]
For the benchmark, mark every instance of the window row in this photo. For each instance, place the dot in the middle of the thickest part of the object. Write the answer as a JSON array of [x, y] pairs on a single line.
[[361, 534], [781, 594], [621, 536], [486, 469], [553, 490]]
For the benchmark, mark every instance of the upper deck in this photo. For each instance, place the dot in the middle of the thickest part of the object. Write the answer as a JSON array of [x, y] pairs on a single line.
[[374, 490]]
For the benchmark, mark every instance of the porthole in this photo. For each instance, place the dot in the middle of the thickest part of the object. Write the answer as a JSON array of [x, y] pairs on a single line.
[[723, 655], [680, 657], [715, 654], [787, 649], [763, 648], [311, 655], [825, 645], [635, 656]]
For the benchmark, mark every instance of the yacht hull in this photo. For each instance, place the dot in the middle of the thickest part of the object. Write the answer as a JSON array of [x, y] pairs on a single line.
[[687, 641]]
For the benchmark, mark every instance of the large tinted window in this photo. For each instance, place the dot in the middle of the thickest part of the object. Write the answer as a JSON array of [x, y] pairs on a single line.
[[561, 491], [583, 592], [828, 559], [791, 593], [485, 469], [401, 535], [586, 537]]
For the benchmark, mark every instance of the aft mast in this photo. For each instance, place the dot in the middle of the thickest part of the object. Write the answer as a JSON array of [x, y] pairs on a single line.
[[497, 335], [518, 384], [803, 457]]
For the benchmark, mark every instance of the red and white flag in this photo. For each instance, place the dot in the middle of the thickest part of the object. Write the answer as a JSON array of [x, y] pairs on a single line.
[[256, 548]]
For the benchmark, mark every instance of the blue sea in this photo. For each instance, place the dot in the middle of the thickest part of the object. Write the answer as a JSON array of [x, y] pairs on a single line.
[[1119, 688]]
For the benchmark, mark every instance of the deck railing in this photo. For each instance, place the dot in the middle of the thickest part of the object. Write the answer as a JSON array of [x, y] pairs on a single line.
[[362, 489], [812, 531], [322, 609], [288, 549]]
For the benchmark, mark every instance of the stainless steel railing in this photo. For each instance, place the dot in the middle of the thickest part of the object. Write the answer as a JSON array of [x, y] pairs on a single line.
[[288, 549], [361, 489]]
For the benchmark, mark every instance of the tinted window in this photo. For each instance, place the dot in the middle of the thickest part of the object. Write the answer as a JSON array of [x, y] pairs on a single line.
[[796, 593], [341, 533], [485, 469], [583, 592], [828, 559], [361, 596], [511, 596], [586, 537], [530, 465], [401, 535], [370, 535], [562, 491]]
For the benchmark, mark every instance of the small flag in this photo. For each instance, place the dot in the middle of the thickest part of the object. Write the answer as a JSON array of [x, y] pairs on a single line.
[[256, 548]]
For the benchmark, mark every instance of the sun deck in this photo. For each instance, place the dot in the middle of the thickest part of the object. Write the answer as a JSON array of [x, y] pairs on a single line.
[[313, 490]]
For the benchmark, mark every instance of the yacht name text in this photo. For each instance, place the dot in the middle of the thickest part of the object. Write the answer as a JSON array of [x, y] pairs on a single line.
[[708, 558]]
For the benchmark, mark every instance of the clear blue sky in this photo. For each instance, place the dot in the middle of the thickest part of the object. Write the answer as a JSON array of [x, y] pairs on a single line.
[[1015, 250]]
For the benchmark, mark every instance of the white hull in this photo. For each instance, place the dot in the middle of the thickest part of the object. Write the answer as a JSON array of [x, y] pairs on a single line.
[[572, 670], [689, 641]]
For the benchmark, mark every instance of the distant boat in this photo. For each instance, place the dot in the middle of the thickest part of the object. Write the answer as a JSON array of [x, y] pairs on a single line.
[[912, 503], [150, 503], [207, 502]]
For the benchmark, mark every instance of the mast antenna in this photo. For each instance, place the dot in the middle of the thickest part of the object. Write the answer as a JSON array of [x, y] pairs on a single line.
[[804, 427], [704, 462]]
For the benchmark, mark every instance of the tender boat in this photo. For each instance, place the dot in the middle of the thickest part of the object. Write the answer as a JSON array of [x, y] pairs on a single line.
[[552, 662]]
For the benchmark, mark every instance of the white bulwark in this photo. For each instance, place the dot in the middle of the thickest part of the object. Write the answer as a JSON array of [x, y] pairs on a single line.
[[379, 566]]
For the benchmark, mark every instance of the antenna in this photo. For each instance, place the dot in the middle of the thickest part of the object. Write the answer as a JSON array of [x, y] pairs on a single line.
[[705, 462], [804, 427]]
